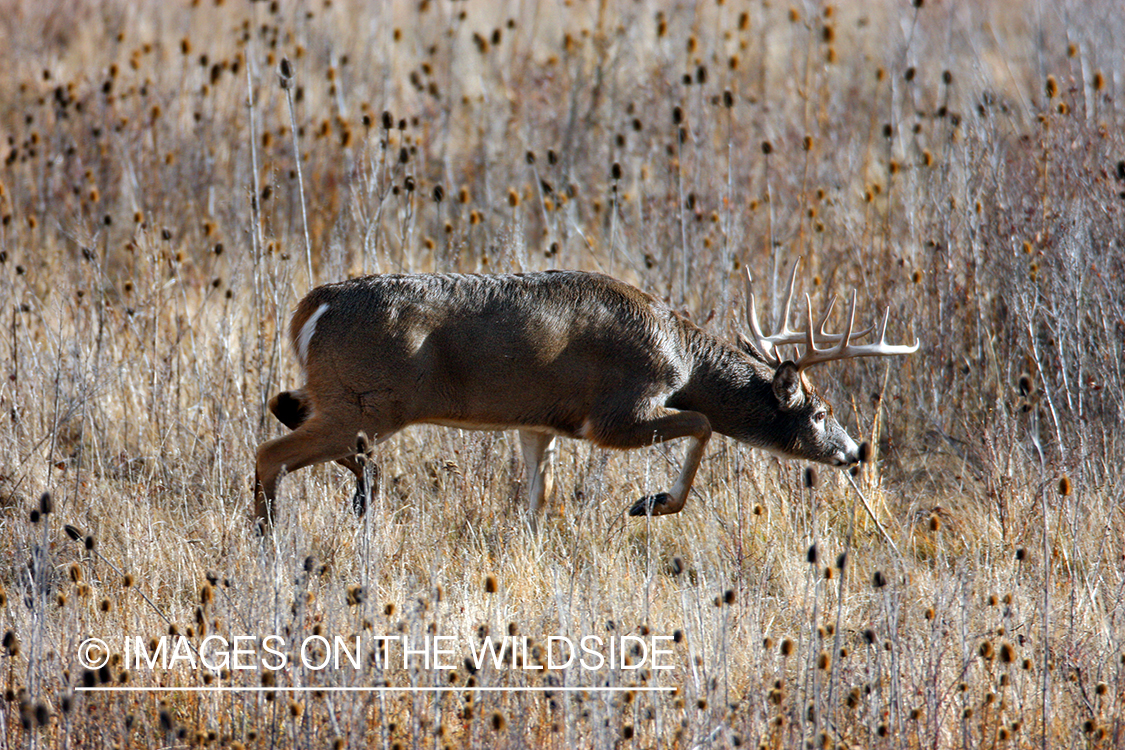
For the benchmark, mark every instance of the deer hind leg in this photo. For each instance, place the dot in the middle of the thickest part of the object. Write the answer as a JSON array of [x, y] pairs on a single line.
[[538, 460], [316, 440], [662, 425], [292, 409]]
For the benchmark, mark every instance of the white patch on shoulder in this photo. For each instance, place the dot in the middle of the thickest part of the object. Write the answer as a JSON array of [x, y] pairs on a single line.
[[307, 331]]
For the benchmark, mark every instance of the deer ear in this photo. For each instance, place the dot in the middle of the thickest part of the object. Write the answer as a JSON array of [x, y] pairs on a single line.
[[787, 386]]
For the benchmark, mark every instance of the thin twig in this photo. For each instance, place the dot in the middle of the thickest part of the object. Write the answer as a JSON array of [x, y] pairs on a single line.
[[286, 73], [871, 513]]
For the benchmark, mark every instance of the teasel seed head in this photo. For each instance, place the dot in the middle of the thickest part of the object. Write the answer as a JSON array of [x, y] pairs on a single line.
[[1065, 487], [677, 565], [812, 480]]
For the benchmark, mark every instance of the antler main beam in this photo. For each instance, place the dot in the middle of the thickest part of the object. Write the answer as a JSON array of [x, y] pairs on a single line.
[[832, 346]]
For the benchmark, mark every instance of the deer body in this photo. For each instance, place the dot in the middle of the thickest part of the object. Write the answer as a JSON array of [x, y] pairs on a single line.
[[560, 353]]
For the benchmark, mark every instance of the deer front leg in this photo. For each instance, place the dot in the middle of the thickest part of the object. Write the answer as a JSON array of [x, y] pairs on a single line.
[[538, 458], [673, 500], [663, 425], [363, 489]]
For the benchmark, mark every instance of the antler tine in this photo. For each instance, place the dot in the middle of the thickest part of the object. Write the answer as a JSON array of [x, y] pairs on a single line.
[[767, 346], [810, 341], [763, 344], [895, 348], [785, 332], [844, 349], [812, 355], [836, 345], [785, 335], [833, 338], [851, 324], [824, 318]]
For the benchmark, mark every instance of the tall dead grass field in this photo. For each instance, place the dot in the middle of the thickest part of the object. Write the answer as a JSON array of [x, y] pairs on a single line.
[[165, 201]]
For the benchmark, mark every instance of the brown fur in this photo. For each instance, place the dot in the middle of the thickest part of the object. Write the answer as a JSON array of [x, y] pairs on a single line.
[[559, 353]]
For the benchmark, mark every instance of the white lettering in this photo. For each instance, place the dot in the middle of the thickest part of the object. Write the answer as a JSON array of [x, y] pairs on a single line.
[[593, 651], [306, 658], [221, 652], [439, 652], [656, 652], [562, 641], [182, 652], [282, 659], [234, 662], [487, 646]]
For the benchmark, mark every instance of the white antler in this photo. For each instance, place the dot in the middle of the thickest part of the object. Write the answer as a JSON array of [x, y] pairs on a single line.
[[767, 345], [834, 345], [844, 349]]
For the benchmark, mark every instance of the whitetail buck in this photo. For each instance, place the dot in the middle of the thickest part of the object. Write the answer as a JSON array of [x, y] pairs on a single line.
[[566, 353]]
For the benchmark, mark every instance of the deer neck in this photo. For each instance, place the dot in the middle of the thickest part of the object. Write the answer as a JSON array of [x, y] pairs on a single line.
[[731, 388]]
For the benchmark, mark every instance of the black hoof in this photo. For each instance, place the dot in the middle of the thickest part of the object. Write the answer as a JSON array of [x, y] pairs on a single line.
[[649, 504], [359, 499]]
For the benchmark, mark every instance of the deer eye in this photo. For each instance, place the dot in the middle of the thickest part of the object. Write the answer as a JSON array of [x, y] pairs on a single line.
[[820, 415]]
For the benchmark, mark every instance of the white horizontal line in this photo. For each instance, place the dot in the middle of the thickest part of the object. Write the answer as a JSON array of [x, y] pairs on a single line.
[[303, 689]]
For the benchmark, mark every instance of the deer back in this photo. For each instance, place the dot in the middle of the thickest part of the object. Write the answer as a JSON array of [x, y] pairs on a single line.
[[542, 349]]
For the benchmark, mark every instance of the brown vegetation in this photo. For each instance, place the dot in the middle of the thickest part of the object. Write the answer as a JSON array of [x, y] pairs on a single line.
[[160, 215]]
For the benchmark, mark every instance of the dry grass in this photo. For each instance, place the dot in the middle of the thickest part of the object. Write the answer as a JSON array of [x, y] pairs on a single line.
[[961, 162]]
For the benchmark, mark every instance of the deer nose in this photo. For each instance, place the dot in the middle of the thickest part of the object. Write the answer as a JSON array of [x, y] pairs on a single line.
[[845, 459], [848, 453]]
